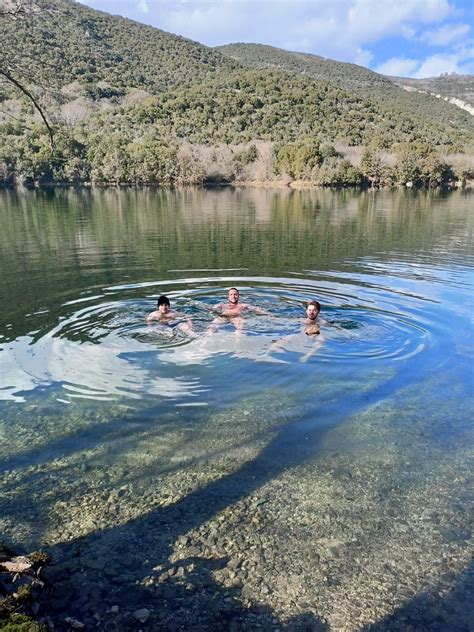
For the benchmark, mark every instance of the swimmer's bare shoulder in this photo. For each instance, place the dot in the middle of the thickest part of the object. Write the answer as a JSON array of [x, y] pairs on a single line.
[[164, 318]]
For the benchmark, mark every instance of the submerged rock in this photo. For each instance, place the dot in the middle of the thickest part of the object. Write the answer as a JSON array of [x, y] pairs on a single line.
[[142, 615]]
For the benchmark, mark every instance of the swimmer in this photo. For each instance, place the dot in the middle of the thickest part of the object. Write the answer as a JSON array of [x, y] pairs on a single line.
[[163, 311], [232, 310], [310, 326], [164, 314]]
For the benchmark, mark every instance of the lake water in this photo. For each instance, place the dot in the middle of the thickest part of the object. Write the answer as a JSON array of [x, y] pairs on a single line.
[[253, 477]]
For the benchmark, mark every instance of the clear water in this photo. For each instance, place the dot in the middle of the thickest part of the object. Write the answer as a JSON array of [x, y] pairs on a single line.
[[95, 402]]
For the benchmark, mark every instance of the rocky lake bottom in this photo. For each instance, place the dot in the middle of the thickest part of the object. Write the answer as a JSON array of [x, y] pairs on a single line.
[[370, 530]]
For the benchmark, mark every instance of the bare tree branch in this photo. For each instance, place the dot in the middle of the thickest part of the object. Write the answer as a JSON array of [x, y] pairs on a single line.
[[18, 10], [26, 92]]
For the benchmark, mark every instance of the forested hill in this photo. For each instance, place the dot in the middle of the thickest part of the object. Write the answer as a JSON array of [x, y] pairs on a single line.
[[128, 103], [349, 76], [352, 78], [61, 42]]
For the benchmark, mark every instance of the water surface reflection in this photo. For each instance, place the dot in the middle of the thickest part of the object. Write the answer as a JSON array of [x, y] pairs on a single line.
[[338, 486]]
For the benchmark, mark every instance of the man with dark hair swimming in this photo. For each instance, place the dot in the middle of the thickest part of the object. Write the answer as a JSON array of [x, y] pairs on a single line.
[[164, 314], [163, 310]]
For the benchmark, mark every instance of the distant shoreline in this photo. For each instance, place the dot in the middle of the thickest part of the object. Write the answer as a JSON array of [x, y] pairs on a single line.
[[306, 184], [297, 185]]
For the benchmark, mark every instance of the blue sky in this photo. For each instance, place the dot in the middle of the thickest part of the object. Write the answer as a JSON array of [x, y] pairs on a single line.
[[410, 38]]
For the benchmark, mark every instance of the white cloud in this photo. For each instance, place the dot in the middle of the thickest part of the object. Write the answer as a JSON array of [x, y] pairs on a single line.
[[341, 29], [398, 67], [369, 20], [344, 29], [142, 6], [438, 64], [431, 66], [408, 32], [363, 57], [446, 34]]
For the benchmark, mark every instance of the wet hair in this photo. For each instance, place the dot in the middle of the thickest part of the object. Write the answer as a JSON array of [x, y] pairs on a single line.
[[233, 288], [163, 300], [317, 304]]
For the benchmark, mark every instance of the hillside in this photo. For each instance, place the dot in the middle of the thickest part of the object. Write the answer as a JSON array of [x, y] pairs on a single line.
[[276, 106], [63, 42], [132, 104], [457, 89], [348, 76], [352, 78]]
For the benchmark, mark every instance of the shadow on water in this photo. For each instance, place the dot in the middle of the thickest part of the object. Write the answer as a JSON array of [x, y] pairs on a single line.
[[433, 612], [109, 567], [183, 595], [122, 426], [292, 444], [129, 566]]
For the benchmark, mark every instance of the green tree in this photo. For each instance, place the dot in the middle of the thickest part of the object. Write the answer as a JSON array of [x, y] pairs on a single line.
[[297, 159], [154, 161], [371, 166], [418, 164], [347, 174]]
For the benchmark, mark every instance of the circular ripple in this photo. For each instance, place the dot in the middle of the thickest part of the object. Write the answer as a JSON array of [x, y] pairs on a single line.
[[102, 346]]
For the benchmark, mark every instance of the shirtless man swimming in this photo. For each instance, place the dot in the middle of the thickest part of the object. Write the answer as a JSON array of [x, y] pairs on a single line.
[[309, 326], [311, 323], [163, 311], [164, 314], [232, 310]]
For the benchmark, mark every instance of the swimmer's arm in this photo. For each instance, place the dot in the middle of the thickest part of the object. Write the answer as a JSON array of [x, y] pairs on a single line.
[[216, 323], [319, 340], [188, 324], [220, 307], [214, 309], [280, 343], [256, 310], [184, 321], [187, 327]]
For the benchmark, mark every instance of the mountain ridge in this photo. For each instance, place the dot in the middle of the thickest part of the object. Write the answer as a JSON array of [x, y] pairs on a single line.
[[131, 103], [346, 75]]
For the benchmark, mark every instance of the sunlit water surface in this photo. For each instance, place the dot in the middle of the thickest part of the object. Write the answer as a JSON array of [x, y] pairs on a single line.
[[94, 400]]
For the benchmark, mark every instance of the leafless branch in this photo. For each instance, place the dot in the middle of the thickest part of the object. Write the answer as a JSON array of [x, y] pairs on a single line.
[[27, 93], [13, 10]]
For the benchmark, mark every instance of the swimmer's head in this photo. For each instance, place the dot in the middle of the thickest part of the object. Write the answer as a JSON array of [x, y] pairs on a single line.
[[163, 304], [312, 309], [233, 295]]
